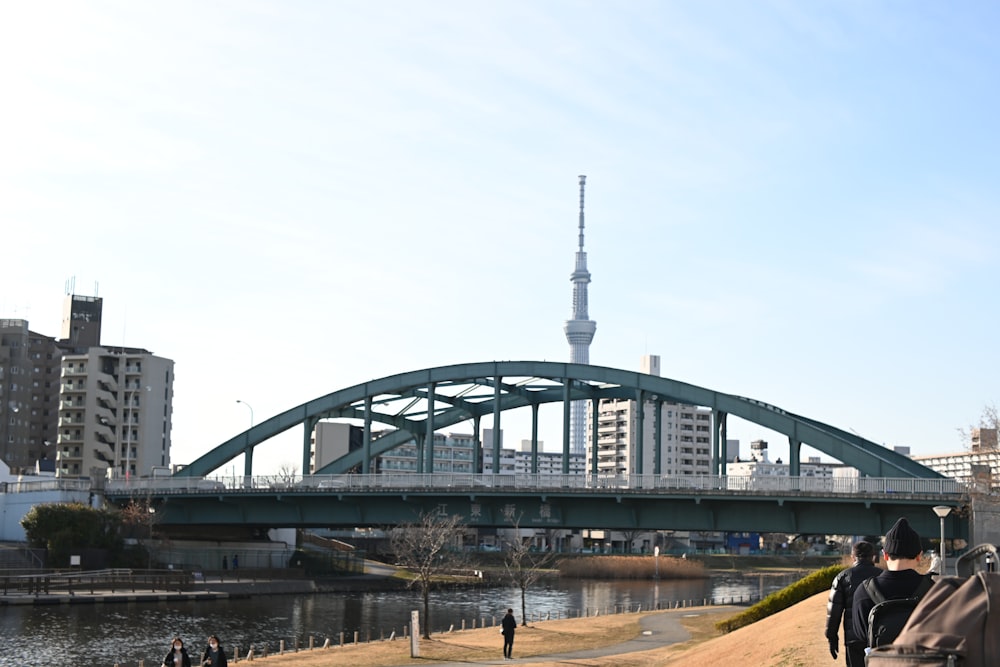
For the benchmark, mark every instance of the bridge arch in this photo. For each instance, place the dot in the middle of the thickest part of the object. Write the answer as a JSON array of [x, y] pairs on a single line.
[[417, 403]]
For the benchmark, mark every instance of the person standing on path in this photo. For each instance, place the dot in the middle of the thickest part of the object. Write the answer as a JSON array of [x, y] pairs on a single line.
[[839, 607], [178, 655], [508, 625], [214, 655]]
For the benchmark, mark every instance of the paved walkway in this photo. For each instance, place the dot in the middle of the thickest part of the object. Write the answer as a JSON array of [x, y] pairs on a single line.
[[658, 630]]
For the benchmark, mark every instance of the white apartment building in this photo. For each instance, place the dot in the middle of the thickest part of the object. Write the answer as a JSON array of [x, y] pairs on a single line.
[[685, 444], [549, 463], [759, 465], [114, 412], [979, 467]]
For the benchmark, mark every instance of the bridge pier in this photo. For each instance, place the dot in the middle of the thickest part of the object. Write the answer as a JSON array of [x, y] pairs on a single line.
[[984, 524]]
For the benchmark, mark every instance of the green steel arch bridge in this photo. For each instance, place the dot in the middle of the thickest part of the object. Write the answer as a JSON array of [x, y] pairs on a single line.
[[346, 492], [417, 403]]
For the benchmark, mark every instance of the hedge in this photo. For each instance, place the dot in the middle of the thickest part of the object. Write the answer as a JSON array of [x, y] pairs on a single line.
[[806, 587]]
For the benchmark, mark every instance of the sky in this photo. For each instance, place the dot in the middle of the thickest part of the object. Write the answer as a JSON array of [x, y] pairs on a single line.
[[795, 202]]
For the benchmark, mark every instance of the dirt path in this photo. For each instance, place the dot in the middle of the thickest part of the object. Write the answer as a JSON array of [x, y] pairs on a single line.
[[791, 638]]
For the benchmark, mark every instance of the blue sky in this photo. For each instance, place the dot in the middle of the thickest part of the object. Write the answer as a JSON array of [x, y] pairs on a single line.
[[795, 202]]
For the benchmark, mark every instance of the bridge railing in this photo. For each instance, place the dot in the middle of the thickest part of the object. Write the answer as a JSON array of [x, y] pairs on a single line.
[[466, 482], [35, 484]]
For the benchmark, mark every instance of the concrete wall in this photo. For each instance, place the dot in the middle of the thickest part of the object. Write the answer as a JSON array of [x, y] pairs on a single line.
[[985, 526], [13, 507]]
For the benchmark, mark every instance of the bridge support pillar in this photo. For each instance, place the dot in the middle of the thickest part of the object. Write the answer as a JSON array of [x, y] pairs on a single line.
[[984, 524], [429, 437], [794, 457], [497, 381], [640, 411], [566, 427], [366, 438], [658, 436], [719, 446], [595, 404], [534, 438], [477, 447]]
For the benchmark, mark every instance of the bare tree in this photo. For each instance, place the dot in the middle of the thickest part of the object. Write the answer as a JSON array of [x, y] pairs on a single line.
[[524, 565], [631, 535], [288, 473], [139, 516], [989, 419], [430, 548]]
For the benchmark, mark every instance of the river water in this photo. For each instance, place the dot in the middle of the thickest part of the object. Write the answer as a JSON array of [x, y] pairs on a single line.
[[123, 633]]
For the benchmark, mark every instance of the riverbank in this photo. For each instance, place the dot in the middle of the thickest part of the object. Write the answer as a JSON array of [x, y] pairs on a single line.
[[686, 637]]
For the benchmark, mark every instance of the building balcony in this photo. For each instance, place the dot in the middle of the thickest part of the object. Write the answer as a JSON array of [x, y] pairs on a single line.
[[107, 383]]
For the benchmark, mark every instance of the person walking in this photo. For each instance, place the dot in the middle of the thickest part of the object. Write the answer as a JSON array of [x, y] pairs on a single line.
[[839, 607], [900, 580], [214, 655], [508, 625], [178, 655]]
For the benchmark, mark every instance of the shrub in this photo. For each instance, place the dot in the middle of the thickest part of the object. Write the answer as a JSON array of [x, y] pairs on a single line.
[[65, 527], [630, 567], [810, 585]]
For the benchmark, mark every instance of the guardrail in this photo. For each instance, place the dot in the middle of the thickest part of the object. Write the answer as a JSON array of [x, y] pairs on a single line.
[[464, 483], [45, 484], [114, 581]]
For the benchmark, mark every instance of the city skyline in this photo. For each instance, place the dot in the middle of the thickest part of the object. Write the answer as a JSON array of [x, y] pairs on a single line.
[[793, 203]]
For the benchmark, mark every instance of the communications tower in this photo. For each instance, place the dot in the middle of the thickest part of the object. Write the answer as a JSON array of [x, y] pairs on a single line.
[[579, 332]]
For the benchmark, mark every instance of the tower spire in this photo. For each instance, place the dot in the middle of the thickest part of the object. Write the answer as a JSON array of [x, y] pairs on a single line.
[[579, 331]]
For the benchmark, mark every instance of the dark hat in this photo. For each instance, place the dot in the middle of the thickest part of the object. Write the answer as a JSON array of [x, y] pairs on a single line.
[[864, 550], [902, 541]]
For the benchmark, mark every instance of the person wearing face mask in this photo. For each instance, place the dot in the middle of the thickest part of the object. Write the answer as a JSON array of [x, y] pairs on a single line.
[[178, 655], [214, 655]]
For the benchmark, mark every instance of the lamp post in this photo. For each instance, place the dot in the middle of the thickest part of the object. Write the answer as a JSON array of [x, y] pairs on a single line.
[[247, 452], [129, 398], [248, 408], [942, 511]]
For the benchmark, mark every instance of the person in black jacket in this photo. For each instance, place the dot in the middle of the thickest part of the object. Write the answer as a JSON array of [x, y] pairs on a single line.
[[839, 607], [508, 625], [901, 579], [214, 655], [178, 655]]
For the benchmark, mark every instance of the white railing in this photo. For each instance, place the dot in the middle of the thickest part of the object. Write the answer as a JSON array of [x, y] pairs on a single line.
[[464, 482], [45, 484]]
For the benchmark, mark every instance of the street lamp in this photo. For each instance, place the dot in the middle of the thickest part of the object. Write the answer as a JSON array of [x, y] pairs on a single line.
[[247, 454], [942, 511], [248, 408], [129, 398]]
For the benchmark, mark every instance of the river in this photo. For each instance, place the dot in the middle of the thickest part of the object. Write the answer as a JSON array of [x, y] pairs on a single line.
[[123, 633]]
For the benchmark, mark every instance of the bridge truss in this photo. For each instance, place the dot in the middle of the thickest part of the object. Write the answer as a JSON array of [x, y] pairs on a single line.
[[415, 404]]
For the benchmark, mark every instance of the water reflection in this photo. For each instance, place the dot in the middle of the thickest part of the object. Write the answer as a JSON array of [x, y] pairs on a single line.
[[124, 633]]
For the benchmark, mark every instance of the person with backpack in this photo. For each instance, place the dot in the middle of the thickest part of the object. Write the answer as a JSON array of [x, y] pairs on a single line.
[[839, 607], [894, 593]]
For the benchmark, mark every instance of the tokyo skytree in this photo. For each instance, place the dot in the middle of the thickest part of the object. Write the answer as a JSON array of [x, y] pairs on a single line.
[[579, 332]]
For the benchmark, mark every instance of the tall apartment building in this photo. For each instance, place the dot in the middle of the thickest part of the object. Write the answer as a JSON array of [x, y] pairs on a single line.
[[115, 412], [685, 444], [29, 395], [90, 408]]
